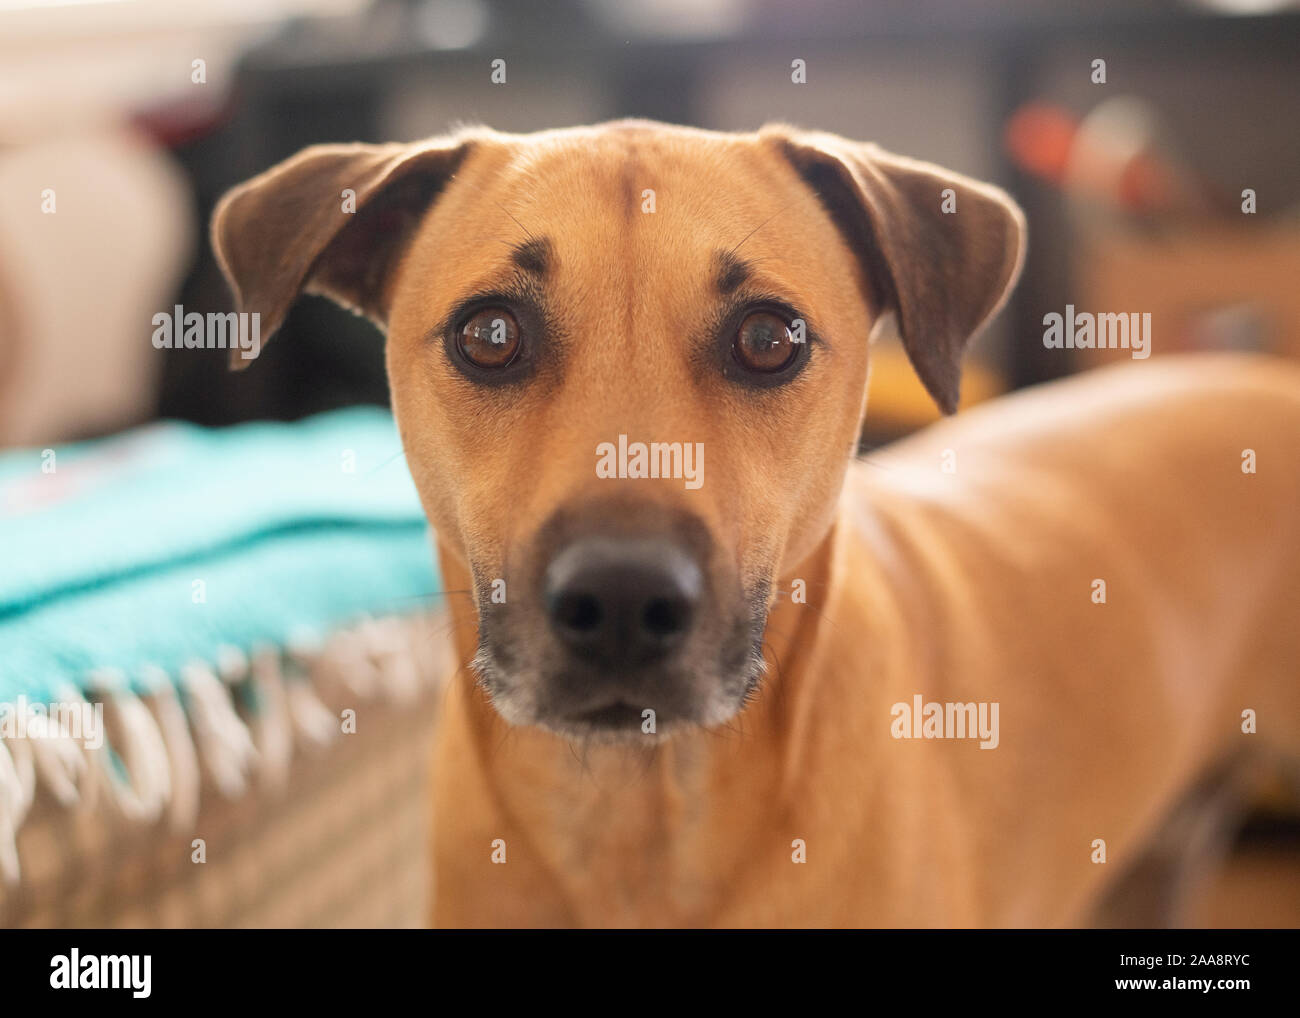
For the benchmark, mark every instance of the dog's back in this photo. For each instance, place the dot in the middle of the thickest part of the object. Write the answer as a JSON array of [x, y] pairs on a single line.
[[1116, 561]]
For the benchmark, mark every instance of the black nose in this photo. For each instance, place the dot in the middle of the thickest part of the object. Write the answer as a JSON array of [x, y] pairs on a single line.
[[622, 602]]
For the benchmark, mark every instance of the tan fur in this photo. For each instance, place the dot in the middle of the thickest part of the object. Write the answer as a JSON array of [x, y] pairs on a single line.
[[969, 586]]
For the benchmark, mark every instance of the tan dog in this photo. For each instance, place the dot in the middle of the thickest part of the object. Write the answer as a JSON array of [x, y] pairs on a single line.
[[544, 295]]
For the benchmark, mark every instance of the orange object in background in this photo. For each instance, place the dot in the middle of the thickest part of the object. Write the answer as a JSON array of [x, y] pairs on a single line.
[[1152, 236], [1038, 137], [1118, 155]]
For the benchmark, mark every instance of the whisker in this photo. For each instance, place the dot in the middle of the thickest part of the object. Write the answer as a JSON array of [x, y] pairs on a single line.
[[396, 456], [810, 196], [875, 463], [751, 233], [432, 594], [527, 232]]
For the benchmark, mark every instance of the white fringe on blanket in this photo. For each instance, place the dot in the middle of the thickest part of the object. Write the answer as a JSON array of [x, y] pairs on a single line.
[[169, 741]]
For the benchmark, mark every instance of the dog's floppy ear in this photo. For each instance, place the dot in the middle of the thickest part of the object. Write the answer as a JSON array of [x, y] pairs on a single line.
[[329, 220], [943, 261]]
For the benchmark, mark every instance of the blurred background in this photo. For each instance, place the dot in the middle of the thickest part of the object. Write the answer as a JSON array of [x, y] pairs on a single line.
[[140, 113], [1155, 147]]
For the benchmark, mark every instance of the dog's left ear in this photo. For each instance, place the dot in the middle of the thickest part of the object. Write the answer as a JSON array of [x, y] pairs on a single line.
[[331, 220], [939, 249]]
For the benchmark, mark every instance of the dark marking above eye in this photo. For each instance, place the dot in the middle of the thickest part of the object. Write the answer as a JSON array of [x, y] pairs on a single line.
[[732, 273], [534, 256]]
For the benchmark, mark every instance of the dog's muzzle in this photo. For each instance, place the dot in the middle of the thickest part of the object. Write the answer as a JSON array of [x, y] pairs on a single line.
[[621, 627], [622, 609]]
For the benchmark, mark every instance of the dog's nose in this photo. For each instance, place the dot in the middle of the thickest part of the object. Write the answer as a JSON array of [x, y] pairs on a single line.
[[622, 602]]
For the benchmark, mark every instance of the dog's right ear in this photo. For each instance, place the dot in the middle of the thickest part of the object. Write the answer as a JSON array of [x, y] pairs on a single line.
[[331, 220], [943, 274]]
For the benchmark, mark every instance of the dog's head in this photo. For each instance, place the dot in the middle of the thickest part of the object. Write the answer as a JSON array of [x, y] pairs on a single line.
[[629, 367]]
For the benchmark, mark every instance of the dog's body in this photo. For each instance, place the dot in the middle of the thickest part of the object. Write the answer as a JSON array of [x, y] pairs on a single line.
[[958, 567], [970, 586]]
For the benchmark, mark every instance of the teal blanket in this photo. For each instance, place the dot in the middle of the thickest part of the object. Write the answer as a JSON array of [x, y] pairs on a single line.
[[162, 545]]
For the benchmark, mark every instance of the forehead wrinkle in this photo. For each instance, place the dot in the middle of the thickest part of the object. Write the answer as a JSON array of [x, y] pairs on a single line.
[[630, 192]]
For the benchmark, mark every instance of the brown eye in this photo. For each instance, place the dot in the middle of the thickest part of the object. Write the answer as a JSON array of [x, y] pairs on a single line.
[[764, 342], [490, 338]]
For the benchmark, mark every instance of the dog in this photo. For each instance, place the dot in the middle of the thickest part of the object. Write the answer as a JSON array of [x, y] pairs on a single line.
[[1018, 670]]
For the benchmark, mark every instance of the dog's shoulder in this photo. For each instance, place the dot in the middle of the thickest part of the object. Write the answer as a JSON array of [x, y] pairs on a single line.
[[1177, 445]]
